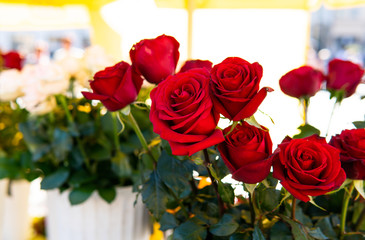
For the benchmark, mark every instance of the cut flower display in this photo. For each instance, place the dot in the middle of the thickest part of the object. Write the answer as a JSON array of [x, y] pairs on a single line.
[[185, 109]]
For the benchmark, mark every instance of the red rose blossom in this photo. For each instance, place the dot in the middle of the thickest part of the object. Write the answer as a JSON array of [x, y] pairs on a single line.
[[245, 152], [351, 143], [343, 75], [190, 64], [235, 88], [308, 167], [12, 59], [156, 58], [115, 86], [301, 82], [182, 112]]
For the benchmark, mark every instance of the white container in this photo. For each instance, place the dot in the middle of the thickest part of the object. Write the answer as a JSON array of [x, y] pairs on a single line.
[[95, 219], [14, 217]]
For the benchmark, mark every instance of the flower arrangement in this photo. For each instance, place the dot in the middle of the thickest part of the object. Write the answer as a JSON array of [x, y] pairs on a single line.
[[303, 189], [71, 142]]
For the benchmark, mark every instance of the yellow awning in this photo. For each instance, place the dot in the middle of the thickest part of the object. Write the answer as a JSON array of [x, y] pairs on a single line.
[[283, 4], [289, 4], [88, 3]]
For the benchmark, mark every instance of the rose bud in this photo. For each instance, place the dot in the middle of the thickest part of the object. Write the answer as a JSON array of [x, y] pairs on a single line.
[[234, 86], [156, 58], [308, 167], [245, 152], [12, 59], [182, 112], [343, 75], [115, 86], [190, 64], [351, 143], [301, 82]]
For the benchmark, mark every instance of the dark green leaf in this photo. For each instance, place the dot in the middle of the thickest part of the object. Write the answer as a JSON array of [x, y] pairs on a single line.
[[191, 229], [257, 234], [108, 194], [121, 165], [80, 177], [326, 227], [316, 233], [306, 131], [62, 143], [80, 195], [174, 174], [55, 179], [280, 231], [168, 221], [298, 230], [268, 199], [226, 192], [225, 227], [154, 195], [359, 124]]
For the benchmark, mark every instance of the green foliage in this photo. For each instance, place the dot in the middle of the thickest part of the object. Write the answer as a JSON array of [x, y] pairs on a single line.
[[76, 149], [306, 130]]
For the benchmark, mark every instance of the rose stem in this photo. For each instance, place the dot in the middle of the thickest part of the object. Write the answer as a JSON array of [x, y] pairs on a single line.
[[214, 183], [345, 203], [140, 136], [294, 203], [115, 131], [252, 210], [332, 113], [71, 121], [305, 102]]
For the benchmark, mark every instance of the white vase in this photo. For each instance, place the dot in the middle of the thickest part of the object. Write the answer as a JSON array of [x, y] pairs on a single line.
[[95, 219], [14, 217]]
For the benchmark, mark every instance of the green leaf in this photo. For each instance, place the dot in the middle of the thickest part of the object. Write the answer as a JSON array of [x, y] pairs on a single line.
[[326, 227], [359, 124], [80, 195], [191, 229], [121, 165], [298, 230], [268, 199], [257, 234], [359, 185], [55, 179], [168, 221], [280, 231], [154, 195], [225, 227], [226, 192], [108, 194], [80, 177], [316, 233], [62, 143], [175, 174], [306, 130]]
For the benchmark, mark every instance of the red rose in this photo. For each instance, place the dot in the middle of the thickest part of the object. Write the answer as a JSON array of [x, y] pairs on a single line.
[[308, 167], [301, 82], [235, 84], [344, 75], [115, 86], [245, 152], [351, 143], [156, 58], [182, 112], [190, 64], [12, 59]]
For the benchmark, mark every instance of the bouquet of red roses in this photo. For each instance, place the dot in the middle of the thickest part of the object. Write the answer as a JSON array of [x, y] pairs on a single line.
[[187, 164]]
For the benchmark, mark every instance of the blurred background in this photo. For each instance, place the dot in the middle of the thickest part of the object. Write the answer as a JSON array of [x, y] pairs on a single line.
[[280, 35]]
